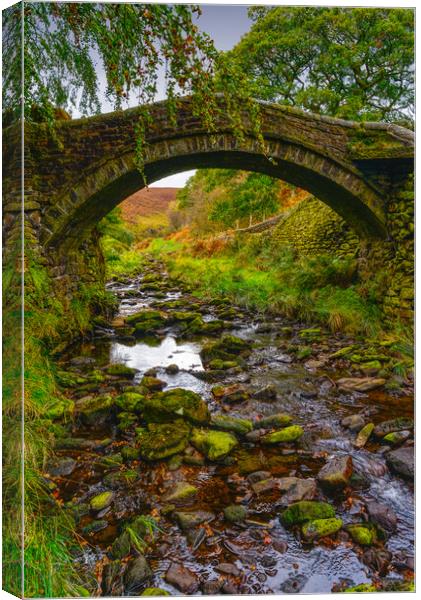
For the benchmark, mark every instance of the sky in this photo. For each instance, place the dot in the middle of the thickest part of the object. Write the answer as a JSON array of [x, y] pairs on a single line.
[[225, 24]]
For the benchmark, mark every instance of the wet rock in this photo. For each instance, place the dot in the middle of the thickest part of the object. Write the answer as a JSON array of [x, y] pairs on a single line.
[[146, 321], [94, 526], [163, 440], [294, 584], [396, 437], [258, 476], [226, 423], [306, 510], [265, 485], [101, 501], [382, 515], [235, 513], [377, 559], [212, 587], [181, 491], [228, 569], [401, 461], [164, 407], [120, 479], [231, 394], [187, 520], [403, 561], [182, 578], [172, 369], [122, 545], [193, 457], [229, 588], [288, 434], [94, 411], [336, 472], [398, 424], [137, 572], [267, 393], [277, 420], [315, 364], [196, 538], [296, 489], [214, 444], [364, 435], [121, 370], [362, 534], [153, 384], [154, 591], [61, 467], [320, 528], [353, 422], [255, 436], [280, 546], [360, 384], [227, 348]]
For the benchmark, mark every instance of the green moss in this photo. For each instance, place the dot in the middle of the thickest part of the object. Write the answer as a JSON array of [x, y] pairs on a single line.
[[288, 434], [235, 513], [362, 534], [130, 401], [321, 528], [214, 444], [121, 370], [226, 423], [164, 407], [101, 501], [153, 591], [307, 510], [163, 440]]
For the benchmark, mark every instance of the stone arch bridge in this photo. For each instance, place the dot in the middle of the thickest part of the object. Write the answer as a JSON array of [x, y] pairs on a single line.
[[74, 177]]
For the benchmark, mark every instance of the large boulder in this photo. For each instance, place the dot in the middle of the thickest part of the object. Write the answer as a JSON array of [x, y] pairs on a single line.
[[214, 444], [94, 410], [163, 440], [164, 407]]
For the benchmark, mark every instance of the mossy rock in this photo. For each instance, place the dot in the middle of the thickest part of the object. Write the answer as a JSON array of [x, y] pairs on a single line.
[[153, 591], [121, 479], [181, 491], [217, 364], [362, 588], [130, 402], [112, 460], [59, 409], [226, 423], [320, 528], [235, 513], [184, 317], [164, 407], [126, 420], [226, 349], [288, 434], [307, 510], [121, 370], [343, 352], [70, 380], [129, 453], [278, 420], [312, 334], [153, 384], [215, 445], [362, 534], [146, 316], [163, 440], [94, 526], [95, 410], [101, 501]]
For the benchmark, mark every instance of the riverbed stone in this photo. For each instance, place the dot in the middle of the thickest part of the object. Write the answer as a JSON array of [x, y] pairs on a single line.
[[319, 528], [383, 515], [129, 402], [227, 423], [336, 472], [182, 578], [307, 510], [296, 489], [395, 438], [288, 434], [152, 384], [187, 520], [226, 348], [215, 445], [120, 479], [121, 370], [94, 411], [231, 394], [138, 571], [401, 461], [235, 513], [364, 435], [360, 384], [163, 440], [101, 501], [353, 422], [361, 534], [269, 392], [61, 467], [155, 591], [272, 421], [181, 491], [164, 407], [398, 424]]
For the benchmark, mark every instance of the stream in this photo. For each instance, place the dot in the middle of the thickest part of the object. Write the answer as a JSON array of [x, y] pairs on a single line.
[[194, 544]]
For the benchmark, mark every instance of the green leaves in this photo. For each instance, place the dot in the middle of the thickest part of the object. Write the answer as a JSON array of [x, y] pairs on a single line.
[[355, 63]]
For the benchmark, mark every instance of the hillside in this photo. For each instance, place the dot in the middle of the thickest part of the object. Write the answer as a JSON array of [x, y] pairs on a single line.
[[146, 202]]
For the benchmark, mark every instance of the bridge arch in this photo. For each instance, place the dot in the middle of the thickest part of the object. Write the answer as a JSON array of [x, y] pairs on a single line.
[[95, 169]]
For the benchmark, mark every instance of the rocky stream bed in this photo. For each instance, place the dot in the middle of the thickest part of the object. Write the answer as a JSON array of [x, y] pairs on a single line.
[[204, 448]]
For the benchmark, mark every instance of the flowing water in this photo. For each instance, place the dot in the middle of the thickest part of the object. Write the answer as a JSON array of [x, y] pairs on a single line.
[[262, 555]]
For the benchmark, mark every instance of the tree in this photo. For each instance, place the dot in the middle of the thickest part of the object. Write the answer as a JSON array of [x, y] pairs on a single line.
[[355, 63]]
